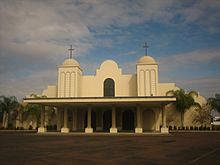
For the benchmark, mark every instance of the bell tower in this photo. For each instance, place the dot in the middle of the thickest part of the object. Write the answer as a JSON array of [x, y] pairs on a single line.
[[69, 77], [147, 76]]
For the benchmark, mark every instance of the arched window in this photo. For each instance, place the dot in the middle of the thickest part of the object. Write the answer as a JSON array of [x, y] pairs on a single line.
[[109, 87]]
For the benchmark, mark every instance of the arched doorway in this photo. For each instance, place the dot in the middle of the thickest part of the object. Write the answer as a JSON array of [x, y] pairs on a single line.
[[128, 120], [93, 120], [107, 120], [148, 120], [109, 87]]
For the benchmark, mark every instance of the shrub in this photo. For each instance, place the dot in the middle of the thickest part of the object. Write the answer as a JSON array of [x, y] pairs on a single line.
[[179, 128], [213, 127], [30, 127], [170, 127], [195, 128], [55, 127], [187, 128], [174, 128], [191, 127], [10, 126]]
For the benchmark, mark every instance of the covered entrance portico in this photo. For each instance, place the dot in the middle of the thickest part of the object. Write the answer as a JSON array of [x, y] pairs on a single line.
[[101, 114]]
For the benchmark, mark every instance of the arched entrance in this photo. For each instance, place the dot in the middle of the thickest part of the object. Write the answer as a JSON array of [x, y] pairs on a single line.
[[109, 87], [107, 120], [93, 120], [128, 120], [148, 120]]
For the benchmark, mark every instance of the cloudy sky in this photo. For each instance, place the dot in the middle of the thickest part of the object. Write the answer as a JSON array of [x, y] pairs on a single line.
[[184, 38]]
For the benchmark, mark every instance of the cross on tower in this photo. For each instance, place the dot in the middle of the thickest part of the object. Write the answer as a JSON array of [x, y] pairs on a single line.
[[145, 46], [71, 51]]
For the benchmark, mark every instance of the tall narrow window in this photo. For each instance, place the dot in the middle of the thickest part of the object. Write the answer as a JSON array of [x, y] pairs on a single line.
[[109, 87]]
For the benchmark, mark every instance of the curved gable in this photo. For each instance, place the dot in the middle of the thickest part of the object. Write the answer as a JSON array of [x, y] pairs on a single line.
[[108, 68]]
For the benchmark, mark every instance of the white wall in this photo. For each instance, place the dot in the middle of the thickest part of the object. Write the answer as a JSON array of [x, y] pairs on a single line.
[[125, 85]]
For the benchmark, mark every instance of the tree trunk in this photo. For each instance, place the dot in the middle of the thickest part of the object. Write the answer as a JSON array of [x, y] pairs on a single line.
[[182, 118], [21, 120], [5, 119]]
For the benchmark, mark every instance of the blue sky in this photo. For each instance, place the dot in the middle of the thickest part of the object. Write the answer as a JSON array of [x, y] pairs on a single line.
[[183, 36]]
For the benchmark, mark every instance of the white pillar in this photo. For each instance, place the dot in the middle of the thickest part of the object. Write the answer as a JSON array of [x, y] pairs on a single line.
[[113, 129], [75, 120], [89, 129], [42, 127], [164, 128], [65, 128], [157, 119], [139, 128]]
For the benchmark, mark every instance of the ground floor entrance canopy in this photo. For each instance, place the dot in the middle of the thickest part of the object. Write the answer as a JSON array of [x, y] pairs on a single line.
[[107, 113], [82, 101]]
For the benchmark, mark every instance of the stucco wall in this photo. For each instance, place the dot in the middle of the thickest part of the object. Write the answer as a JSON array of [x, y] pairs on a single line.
[[125, 85], [51, 91], [164, 87]]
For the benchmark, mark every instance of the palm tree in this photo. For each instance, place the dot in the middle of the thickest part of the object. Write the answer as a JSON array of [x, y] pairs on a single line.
[[7, 105], [184, 101], [35, 109], [215, 102], [21, 109]]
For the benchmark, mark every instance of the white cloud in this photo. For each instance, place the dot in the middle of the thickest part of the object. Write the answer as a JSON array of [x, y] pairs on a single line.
[[206, 86], [22, 86], [190, 59], [34, 34]]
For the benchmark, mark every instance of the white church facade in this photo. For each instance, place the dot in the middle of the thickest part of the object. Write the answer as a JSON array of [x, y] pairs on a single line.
[[108, 101]]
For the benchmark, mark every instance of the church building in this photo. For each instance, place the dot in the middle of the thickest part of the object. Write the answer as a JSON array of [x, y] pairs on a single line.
[[108, 101]]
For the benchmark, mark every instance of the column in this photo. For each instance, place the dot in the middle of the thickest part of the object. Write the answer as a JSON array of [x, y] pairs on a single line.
[[89, 129], [65, 128], [113, 129], [58, 119], [157, 119], [42, 127], [139, 128], [164, 128], [75, 120]]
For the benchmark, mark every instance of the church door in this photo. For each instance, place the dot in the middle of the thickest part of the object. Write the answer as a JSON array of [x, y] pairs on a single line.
[[107, 120], [128, 120]]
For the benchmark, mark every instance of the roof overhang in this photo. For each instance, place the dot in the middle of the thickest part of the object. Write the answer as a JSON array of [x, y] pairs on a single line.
[[82, 101]]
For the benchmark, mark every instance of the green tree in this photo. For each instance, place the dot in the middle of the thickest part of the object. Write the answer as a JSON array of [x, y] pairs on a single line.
[[34, 109], [7, 105], [203, 115], [19, 114], [184, 101], [214, 102]]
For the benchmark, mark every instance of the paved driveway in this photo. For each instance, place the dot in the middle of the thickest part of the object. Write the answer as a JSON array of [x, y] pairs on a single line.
[[176, 148]]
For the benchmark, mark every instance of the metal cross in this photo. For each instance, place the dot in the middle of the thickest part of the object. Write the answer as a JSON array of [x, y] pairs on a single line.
[[71, 51], [145, 46]]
